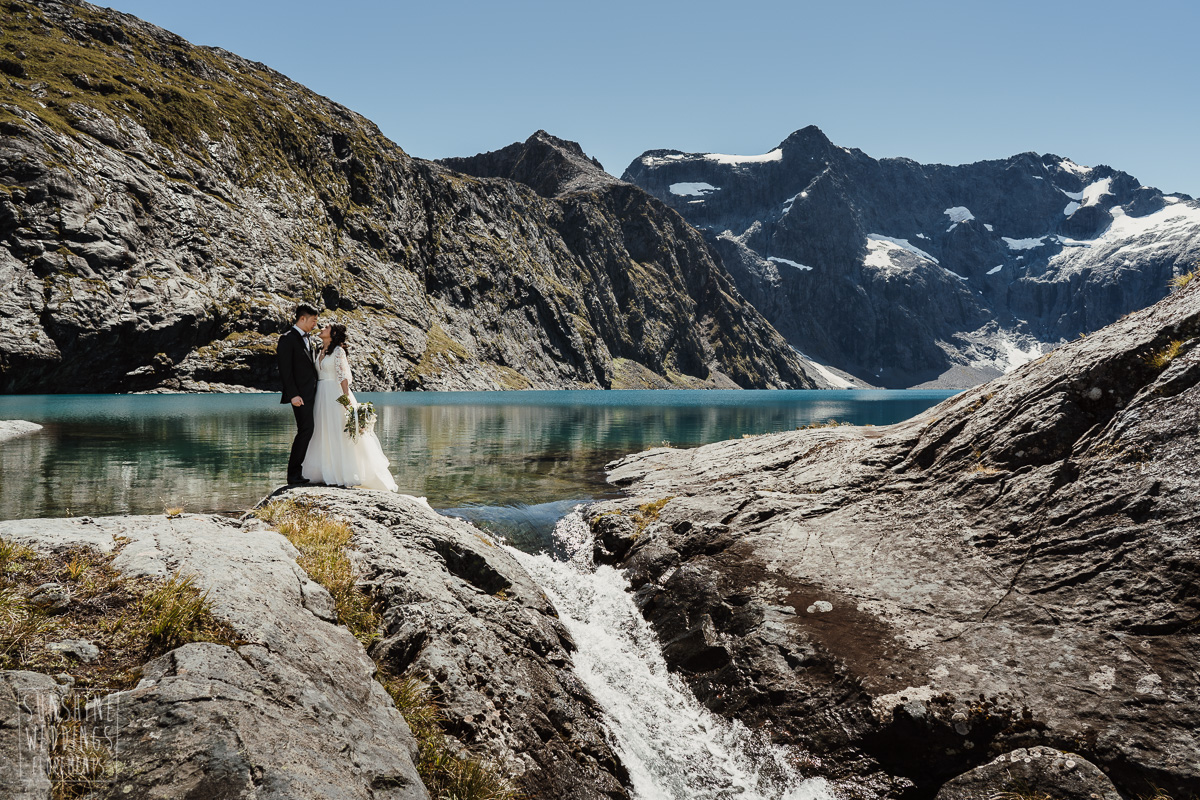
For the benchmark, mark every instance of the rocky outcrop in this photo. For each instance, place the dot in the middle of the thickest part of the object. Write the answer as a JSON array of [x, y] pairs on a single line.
[[1014, 567], [461, 613], [293, 712], [12, 428], [163, 207], [904, 274], [1042, 770]]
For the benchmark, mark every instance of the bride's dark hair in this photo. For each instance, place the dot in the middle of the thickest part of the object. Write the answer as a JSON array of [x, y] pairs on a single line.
[[337, 337]]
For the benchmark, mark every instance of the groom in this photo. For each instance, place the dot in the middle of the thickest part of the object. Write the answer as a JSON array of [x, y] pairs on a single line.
[[299, 375]]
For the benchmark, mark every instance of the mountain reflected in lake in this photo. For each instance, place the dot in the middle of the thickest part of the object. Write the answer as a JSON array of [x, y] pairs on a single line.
[[489, 456]]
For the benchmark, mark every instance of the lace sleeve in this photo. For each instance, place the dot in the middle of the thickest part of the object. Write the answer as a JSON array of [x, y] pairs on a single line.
[[342, 366]]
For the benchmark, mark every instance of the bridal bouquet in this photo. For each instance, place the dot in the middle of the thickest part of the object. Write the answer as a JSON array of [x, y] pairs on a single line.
[[361, 418]]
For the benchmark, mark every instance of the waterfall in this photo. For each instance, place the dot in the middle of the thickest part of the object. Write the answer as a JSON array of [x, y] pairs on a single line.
[[673, 747]]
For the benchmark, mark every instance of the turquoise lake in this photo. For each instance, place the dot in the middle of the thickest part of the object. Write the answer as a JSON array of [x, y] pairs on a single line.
[[514, 461]]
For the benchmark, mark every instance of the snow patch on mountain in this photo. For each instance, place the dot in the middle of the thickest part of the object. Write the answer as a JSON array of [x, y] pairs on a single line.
[[658, 161], [995, 269], [1094, 191], [1070, 208], [878, 245], [778, 260], [1023, 244], [1067, 165], [1132, 238], [834, 380], [1016, 357], [697, 189], [721, 158], [959, 214]]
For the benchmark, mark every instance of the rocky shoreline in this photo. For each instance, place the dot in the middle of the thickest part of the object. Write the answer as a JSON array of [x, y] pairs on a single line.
[[1010, 569]]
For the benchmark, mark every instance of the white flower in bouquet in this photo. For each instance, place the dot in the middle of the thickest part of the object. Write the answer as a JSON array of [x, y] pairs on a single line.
[[360, 418]]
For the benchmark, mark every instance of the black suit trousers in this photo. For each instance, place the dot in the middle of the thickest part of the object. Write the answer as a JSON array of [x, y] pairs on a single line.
[[304, 432]]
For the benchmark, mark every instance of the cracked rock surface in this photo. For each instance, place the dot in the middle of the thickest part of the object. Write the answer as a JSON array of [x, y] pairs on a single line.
[[1014, 567], [293, 712]]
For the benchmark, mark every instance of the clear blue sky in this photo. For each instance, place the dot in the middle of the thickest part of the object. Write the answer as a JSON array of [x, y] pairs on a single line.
[[950, 82]]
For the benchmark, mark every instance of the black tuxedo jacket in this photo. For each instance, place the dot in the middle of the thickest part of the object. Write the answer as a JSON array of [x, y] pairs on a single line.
[[296, 367]]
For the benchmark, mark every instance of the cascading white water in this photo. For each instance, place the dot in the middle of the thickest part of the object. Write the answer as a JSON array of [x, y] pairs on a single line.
[[673, 747]]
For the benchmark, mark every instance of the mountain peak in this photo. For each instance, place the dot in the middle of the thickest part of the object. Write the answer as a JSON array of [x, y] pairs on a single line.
[[547, 164], [807, 137]]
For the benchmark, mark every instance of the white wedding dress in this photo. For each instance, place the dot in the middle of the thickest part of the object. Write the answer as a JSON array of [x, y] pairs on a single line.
[[334, 458]]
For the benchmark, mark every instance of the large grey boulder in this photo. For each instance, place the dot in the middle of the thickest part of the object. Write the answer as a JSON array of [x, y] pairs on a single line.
[[293, 712], [1014, 567], [461, 613], [1036, 771]]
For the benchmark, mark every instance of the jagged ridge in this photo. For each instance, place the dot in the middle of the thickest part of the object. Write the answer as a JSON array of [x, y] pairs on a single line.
[[903, 273]]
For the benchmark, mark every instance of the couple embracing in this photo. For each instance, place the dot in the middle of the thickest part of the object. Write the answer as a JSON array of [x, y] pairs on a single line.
[[316, 381]]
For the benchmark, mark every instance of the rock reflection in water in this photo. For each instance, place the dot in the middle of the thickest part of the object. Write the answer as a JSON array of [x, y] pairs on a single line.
[[136, 454]]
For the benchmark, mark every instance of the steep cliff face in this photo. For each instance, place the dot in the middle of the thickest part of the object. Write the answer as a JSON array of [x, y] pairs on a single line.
[[904, 273], [164, 206], [659, 269], [1014, 567]]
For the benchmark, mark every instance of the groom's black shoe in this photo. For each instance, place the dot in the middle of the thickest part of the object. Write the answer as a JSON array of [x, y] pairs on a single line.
[[297, 481]]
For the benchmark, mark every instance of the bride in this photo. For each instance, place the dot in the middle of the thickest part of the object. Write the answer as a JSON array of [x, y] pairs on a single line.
[[334, 458]]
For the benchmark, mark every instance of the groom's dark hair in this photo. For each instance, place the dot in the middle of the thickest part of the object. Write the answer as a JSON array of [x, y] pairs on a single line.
[[304, 310]]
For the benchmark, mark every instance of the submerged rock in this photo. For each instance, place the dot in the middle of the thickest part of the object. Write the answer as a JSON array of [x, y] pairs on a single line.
[[12, 428], [1012, 568]]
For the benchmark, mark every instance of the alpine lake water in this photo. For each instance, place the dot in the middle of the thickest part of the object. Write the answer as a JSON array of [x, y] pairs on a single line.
[[513, 462]]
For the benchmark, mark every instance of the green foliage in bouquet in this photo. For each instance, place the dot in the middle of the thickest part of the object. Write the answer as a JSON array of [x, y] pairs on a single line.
[[360, 419]]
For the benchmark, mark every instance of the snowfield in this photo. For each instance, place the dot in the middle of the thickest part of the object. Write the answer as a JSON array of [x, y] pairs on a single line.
[[697, 189]]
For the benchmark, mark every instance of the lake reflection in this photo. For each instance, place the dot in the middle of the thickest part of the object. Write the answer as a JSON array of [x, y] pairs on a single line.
[[485, 454]]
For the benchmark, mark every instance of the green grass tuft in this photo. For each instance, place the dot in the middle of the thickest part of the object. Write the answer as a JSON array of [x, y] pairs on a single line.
[[447, 774], [1181, 281], [174, 613], [323, 541], [1162, 359]]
